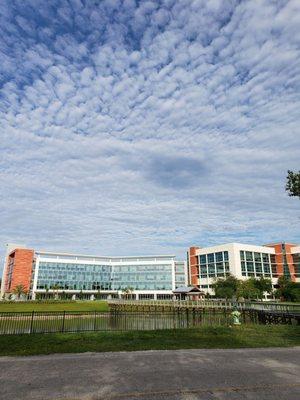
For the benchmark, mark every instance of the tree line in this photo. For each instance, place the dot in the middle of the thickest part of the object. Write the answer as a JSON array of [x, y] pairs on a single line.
[[253, 288]]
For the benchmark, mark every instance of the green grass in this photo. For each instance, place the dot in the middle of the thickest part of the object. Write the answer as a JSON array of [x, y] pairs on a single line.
[[64, 306], [204, 337]]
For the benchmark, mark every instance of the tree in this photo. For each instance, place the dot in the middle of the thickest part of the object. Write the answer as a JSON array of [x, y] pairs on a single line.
[[80, 295], [127, 292], [226, 287], [19, 290], [55, 289], [263, 285], [47, 291], [293, 183], [288, 290], [248, 289]]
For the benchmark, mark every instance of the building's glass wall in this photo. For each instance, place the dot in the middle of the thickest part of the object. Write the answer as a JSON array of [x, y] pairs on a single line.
[[214, 265], [179, 274], [71, 276], [254, 264], [142, 277]]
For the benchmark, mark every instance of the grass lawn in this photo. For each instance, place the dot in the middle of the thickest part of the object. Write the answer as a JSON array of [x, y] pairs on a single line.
[[71, 306], [204, 337]]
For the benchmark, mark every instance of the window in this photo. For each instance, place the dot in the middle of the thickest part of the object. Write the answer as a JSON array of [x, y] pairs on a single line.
[[210, 258], [220, 269], [203, 271], [243, 266], [258, 269], [250, 268], [211, 270], [257, 257], [203, 259], [219, 256]]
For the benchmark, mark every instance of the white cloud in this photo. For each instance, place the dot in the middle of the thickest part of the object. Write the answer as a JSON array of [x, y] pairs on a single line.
[[149, 128]]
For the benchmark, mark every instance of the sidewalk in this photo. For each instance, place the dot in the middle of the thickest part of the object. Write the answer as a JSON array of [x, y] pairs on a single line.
[[264, 374]]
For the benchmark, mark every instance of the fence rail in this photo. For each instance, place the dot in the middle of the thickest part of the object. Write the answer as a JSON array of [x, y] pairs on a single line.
[[210, 304], [72, 321]]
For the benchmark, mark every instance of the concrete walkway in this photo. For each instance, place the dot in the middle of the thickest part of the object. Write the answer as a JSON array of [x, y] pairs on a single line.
[[264, 374]]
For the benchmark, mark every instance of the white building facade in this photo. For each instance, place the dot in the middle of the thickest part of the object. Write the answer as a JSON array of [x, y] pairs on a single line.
[[85, 276], [243, 261]]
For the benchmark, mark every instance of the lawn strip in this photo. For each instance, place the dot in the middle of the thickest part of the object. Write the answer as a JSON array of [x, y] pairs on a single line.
[[203, 337]]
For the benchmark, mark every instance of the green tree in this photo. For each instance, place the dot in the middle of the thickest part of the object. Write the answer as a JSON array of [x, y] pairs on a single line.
[[248, 289], [263, 285], [55, 289], [288, 290], [19, 290], [127, 292], [226, 288], [80, 295], [293, 183]]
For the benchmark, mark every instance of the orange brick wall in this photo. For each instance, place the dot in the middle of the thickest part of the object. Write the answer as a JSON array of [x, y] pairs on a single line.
[[279, 258], [22, 268], [193, 266]]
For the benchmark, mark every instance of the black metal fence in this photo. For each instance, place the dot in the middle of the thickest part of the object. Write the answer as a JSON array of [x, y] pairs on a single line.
[[72, 321]]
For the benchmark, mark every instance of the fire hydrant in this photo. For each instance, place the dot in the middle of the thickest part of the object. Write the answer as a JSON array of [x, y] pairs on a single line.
[[236, 317]]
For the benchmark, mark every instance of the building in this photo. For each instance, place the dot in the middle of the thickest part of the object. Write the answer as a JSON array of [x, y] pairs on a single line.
[[243, 261], [47, 273]]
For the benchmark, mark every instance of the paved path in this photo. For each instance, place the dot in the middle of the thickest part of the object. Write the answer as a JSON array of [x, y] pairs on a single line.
[[264, 374]]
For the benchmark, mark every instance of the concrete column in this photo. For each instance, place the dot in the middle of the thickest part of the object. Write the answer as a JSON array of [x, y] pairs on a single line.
[[155, 296], [137, 296]]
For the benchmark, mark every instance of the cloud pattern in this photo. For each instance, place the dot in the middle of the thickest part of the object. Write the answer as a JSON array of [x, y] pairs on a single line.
[[142, 127]]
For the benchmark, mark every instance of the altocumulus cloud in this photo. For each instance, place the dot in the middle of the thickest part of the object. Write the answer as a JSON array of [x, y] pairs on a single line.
[[146, 126]]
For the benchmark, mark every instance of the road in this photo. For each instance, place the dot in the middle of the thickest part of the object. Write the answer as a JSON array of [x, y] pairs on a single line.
[[264, 374]]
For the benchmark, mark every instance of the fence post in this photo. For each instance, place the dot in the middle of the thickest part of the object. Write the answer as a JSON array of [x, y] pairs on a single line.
[[95, 321], [31, 322], [63, 322]]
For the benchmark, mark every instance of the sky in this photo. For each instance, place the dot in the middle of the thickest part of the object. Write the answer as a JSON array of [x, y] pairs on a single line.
[[145, 127]]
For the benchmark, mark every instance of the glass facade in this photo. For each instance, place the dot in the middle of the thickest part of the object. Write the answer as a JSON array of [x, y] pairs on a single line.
[[71, 276], [255, 264], [179, 274], [214, 265], [142, 277], [79, 276]]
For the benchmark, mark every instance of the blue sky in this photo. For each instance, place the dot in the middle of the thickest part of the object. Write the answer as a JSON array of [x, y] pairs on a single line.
[[142, 127]]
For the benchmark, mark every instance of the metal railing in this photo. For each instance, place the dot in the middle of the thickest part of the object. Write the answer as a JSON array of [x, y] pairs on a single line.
[[209, 304], [72, 321]]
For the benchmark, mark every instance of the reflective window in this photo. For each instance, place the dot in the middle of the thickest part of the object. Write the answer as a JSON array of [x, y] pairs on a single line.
[[106, 277], [255, 264], [203, 259], [219, 256], [210, 258]]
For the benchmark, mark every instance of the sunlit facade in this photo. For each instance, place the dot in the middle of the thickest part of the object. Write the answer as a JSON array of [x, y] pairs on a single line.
[[243, 261], [43, 273]]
